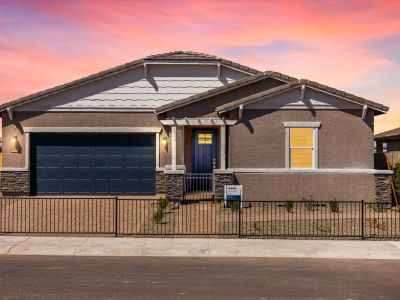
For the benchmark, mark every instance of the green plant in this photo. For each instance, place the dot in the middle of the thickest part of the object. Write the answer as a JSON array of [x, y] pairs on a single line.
[[334, 206], [323, 228], [309, 203], [289, 206], [235, 206], [257, 226], [374, 223], [163, 203], [158, 215], [396, 175]]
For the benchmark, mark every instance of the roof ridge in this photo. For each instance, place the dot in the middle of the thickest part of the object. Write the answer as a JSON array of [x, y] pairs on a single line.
[[186, 52], [111, 71]]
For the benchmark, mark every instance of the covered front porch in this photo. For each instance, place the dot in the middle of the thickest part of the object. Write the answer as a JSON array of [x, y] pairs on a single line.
[[198, 158]]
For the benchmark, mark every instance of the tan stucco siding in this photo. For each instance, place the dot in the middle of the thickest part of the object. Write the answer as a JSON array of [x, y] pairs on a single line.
[[71, 119], [295, 186], [345, 140]]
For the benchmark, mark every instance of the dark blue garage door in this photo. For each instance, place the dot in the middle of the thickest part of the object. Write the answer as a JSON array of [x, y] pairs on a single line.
[[93, 164]]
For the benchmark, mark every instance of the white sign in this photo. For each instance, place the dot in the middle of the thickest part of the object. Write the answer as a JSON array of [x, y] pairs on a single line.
[[233, 192]]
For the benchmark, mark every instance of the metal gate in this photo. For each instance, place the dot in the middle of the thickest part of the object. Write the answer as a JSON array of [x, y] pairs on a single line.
[[198, 186]]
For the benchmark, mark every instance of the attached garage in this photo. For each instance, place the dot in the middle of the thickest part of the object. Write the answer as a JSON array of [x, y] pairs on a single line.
[[93, 164]]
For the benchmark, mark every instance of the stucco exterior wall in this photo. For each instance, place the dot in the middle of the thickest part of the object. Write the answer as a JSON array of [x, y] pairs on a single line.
[[345, 139], [295, 186], [72, 119]]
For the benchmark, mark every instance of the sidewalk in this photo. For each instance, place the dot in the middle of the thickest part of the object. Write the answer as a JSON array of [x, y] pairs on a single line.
[[180, 247]]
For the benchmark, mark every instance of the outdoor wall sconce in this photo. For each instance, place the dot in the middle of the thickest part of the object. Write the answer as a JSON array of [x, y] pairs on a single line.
[[164, 141], [15, 145]]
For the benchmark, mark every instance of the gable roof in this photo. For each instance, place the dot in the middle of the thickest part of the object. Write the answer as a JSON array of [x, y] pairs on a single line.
[[176, 55], [222, 89], [298, 83], [390, 134]]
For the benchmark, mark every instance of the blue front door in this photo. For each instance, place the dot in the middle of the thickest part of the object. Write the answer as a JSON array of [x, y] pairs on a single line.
[[204, 150]]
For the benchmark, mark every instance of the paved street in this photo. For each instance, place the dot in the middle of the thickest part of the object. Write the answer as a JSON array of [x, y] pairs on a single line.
[[61, 277]]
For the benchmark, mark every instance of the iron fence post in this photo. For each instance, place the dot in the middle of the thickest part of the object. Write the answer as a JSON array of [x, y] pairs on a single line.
[[240, 219], [362, 219], [116, 217]]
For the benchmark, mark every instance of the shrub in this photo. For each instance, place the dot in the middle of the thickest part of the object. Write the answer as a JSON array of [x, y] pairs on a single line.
[[334, 206], [257, 226], [374, 223], [158, 215], [289, 206], [163, 203], [309, 203], [323, 228], [396, 176], [235, 206]]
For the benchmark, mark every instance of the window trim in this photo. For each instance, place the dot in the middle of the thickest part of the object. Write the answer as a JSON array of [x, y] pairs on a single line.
[[315, 126]]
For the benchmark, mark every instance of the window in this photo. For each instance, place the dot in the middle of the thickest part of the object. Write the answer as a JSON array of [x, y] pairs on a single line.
[[301, 145], [204, 138]]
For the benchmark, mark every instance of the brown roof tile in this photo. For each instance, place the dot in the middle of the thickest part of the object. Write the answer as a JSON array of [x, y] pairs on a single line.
[[390, 134], [178, 55]]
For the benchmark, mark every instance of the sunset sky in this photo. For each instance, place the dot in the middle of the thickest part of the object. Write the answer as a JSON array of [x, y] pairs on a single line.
[[350, 45]]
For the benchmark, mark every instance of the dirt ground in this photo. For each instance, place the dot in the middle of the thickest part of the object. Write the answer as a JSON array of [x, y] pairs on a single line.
[[196, 218]]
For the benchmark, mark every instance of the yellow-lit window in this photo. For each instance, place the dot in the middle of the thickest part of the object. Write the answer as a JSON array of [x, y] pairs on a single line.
[[204, 138], [301, 148]]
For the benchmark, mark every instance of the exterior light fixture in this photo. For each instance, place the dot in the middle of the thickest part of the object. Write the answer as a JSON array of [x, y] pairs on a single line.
[[164, 141], [15, 146]]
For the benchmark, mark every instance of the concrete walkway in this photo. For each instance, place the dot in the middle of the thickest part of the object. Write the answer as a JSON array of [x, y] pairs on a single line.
[[181, 247]]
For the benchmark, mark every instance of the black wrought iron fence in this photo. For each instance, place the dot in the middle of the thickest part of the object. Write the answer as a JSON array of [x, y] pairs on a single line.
[[254, 219]]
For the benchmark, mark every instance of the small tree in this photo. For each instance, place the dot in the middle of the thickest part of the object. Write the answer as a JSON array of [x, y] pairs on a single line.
[[396, 176]]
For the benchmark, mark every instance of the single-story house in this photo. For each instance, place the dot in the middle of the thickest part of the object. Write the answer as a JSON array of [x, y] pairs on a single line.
[[140, 128], [387, 147]]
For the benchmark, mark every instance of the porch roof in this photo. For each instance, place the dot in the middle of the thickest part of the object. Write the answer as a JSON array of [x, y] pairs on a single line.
[[197, 121]]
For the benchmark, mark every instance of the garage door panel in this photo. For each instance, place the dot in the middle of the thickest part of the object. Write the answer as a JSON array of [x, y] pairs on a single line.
[[101, 174], [147, 162], [70, 187], [53, 161], [54, 173], [100, 164], [116, 174], [117, 161], [70, 174], [70, 162], [117, 187]]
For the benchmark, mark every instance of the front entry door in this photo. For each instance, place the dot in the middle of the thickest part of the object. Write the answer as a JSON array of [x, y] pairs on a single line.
[[204, 150]]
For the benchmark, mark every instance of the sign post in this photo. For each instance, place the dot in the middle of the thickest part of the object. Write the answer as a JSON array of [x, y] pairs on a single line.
[[233, 193]]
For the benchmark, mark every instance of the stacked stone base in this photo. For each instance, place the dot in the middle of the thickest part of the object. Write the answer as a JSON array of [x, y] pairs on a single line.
[[174, 185], [160, 182], [15, 183], [222, 178], [383, 192]]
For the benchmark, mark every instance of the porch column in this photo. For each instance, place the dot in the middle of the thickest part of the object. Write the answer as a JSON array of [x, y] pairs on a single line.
[[173, 147], [223, 147]]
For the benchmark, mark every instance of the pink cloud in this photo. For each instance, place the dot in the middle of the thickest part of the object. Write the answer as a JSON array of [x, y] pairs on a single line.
[[45, 43]]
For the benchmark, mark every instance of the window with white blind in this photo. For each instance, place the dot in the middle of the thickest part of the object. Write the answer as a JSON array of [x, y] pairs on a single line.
[[301, 145]]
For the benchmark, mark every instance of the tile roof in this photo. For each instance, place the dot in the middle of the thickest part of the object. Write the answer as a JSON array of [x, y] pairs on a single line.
[[390, 134], [219, 90], [299, 83], [175, 55]]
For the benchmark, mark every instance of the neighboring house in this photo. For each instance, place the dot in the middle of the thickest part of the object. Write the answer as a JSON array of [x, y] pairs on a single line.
[[138, 128], [387, 145]]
